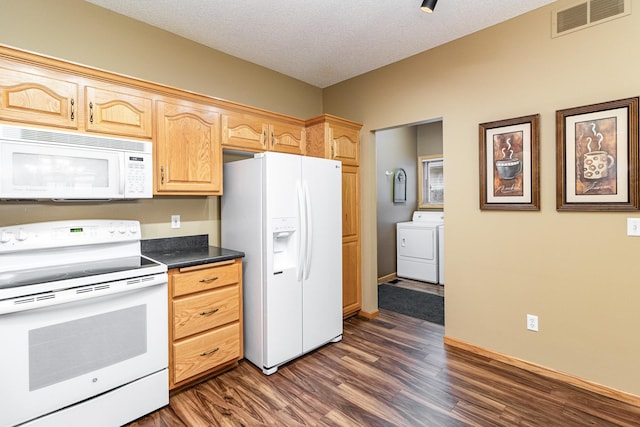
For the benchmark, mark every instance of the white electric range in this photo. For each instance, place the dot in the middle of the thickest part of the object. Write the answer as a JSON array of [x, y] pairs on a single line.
[[83, 325]]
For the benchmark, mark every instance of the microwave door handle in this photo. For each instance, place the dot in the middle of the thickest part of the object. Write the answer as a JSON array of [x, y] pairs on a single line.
[[122, 177]]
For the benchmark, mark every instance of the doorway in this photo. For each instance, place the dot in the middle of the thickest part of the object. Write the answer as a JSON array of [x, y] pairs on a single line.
[[399, 148]]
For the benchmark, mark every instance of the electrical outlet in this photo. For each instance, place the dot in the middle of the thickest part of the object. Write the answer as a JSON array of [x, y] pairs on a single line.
[[175, 221], [633, 226], [532, 322]]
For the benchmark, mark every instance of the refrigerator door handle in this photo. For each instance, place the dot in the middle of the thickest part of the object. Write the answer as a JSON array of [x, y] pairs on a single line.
[[309, 231], [302, 234]]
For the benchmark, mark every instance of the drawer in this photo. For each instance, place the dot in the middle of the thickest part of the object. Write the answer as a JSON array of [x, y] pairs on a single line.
[[206, 278], [198, 354], [197, 313]]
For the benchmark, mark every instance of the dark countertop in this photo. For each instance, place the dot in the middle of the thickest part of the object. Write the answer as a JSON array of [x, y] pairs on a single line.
[[177, 252]]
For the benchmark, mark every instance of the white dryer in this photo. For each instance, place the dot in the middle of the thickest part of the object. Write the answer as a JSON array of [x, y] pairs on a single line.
[[417, 247]]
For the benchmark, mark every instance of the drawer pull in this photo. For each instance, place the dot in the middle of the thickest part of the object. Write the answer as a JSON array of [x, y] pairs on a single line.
[[207, 313], [206, 353], [211, 279]]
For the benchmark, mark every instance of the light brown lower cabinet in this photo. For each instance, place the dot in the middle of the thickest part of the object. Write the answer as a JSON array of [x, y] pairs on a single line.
[[205, 321]]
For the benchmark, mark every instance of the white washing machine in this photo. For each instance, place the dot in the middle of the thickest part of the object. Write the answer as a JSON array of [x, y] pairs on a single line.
[[417, 247]]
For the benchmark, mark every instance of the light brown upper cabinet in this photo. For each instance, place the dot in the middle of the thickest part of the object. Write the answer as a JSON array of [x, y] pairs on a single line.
[[43, 96], [334, 138], [118, 110], [187, 149], [251, 132], [287, 137], [244, 131], [30, 94]]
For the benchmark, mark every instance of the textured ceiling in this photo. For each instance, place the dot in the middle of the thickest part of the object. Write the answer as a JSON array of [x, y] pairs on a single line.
[[320, 42]]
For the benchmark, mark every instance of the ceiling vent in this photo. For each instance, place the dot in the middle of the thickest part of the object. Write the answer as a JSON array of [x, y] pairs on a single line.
[[584, 14]]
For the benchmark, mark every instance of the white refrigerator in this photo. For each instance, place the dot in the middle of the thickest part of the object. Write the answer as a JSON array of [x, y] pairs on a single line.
[[285, 213]]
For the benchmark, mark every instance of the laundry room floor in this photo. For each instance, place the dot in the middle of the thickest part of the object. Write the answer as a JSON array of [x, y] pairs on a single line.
[[416, 285]]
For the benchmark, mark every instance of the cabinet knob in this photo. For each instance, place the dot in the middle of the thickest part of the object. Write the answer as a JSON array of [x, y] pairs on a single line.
[[73, 111], [161, 174], [208, 313], [211, 279]]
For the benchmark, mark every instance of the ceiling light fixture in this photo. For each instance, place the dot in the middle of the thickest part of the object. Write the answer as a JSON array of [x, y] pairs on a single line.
[[428, 5]]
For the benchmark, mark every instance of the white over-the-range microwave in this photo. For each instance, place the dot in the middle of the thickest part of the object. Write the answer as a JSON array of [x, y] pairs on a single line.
[[40, 164]]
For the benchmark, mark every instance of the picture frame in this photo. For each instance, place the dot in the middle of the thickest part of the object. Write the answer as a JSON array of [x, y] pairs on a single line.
[[399, 186], [510, 164], [597, 157]]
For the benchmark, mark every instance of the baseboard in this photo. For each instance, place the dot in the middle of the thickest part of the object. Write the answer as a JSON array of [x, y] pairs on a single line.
[[590, 386], [387, 278], [369, 315]]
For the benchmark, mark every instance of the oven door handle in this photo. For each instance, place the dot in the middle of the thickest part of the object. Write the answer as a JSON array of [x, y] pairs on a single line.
[[64, 296]]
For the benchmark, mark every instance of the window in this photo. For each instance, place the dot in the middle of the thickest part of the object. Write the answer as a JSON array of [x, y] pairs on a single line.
[[431, 185]]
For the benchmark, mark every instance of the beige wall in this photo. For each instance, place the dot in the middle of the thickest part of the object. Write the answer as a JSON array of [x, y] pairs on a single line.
[[577, 271], [430, 139], [80, 32]]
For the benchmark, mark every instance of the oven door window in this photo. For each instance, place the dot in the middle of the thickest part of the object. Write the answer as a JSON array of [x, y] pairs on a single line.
[[77, 347]]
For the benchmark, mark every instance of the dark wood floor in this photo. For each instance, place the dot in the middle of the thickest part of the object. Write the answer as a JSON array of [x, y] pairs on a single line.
[[391, 371]]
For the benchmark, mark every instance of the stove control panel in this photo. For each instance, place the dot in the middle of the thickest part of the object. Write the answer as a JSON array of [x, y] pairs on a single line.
[[54, 234]]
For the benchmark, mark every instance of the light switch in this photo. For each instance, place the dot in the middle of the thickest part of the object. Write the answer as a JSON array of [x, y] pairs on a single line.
[[633, 226]]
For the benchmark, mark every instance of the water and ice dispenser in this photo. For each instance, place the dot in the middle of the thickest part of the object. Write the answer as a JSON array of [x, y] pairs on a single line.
[[284, 244]]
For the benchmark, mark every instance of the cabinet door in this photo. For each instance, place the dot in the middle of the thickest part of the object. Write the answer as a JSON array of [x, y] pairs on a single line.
[[351, 290], [244, 131], [350, 201], [345, 144], [287, 137], [116, 111], [188, 152], [35, 97]]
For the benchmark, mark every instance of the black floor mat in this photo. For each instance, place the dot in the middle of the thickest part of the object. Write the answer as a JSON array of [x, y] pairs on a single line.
[[422, 305]]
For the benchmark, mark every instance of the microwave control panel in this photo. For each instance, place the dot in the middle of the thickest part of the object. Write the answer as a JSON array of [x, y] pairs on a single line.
[[139, 175]]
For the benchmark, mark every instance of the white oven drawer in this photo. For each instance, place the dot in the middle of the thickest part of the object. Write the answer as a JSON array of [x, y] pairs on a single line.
[[56, 356]]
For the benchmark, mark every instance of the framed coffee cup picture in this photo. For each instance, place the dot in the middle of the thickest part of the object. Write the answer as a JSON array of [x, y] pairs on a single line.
[[509, 164], [597, 157]]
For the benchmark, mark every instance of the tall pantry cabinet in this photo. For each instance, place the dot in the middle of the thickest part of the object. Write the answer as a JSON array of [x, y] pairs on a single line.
[[339, 139]]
